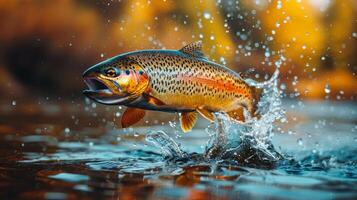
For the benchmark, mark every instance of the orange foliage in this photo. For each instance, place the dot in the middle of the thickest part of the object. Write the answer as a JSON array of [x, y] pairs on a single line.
[[80, 33], [298, 31]]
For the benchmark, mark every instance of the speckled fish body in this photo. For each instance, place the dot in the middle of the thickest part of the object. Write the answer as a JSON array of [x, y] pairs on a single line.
[[184, 83], [181, 81]]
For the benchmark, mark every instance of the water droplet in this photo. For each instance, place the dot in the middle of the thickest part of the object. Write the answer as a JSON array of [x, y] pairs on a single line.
[[117, 114], [172, 124], [327, 89], [243, 37], [300, 142], [267, 54], [67, 130], [283, 86], [222, 60], [206, 15], [13, 103]]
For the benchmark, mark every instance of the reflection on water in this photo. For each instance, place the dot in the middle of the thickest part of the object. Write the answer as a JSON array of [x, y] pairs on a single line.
[[69, 177], [51, 156]]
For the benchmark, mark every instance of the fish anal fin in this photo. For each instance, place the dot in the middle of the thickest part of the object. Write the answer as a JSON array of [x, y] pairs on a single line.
[[193, 49], [206, 114], [237, 115], [188, 120], [153, 100], [131, 116]]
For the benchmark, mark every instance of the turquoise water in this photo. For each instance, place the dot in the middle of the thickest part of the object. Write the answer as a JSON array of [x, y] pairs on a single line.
[[53, 155]]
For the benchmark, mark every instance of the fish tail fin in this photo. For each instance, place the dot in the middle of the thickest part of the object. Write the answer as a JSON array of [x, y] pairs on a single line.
[[250, 104], [253, 108]]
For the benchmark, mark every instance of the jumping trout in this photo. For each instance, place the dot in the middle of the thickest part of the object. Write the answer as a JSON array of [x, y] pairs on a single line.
[[182, 81]]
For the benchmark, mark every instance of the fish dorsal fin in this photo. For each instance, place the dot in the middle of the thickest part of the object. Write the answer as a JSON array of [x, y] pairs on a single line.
[[206, 114], [188, 120], [131, 116], [193, 49]]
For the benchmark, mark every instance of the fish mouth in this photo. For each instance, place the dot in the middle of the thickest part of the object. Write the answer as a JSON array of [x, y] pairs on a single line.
[[95, 85], [101, 92]]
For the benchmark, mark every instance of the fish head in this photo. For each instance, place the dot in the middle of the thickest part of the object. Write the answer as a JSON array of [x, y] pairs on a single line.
[[116, 81]]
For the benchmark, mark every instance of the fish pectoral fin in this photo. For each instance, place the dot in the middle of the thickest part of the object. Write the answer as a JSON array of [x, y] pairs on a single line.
[[131, 116], [237, 115], [188, 120], [194, 49], [206, 114], [153, 100]]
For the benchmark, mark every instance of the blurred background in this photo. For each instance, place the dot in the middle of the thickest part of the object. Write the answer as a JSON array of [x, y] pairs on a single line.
[[57, 144], [46, 45]]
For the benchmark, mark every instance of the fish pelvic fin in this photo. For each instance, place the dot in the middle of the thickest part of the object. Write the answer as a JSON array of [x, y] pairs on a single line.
[[206, 114], [187, 121], [153, 100], [131, 116]]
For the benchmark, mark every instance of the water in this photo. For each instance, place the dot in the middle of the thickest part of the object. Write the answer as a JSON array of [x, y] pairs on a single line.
[[293, 150], [92, 163]]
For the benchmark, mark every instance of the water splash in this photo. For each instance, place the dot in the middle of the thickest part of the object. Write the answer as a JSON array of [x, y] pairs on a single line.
[[169, 148], [247, 143]]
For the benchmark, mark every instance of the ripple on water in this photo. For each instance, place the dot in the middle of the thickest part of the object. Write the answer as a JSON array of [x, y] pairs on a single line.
[[70, 177]]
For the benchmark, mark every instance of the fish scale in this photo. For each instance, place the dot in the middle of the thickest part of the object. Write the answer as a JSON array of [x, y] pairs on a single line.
[[172, 76], [181, 81]]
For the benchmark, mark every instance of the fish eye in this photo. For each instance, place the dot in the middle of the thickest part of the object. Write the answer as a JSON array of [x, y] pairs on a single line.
[[127, 72], [111, 72]]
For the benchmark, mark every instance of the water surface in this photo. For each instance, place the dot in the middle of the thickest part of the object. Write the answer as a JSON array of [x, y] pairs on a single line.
[[65, 151]]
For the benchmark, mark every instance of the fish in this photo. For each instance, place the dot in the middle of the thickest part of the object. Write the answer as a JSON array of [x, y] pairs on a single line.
[[180, 81]]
